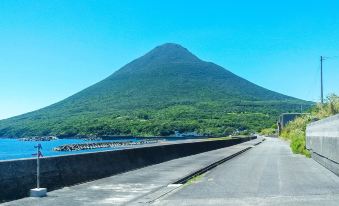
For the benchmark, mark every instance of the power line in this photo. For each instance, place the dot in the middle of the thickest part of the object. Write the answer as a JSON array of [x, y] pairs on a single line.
[[330, 57]]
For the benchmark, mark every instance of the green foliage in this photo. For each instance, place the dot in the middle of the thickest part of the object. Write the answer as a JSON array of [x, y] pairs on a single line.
[[195, 179], [268, 131], [219, 138], [329, 108], [298, 144], [165, 90], [228, 131], [295, 131]]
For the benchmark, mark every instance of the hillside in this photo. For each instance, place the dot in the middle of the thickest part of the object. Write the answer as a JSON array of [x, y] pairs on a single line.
[[167, 89]]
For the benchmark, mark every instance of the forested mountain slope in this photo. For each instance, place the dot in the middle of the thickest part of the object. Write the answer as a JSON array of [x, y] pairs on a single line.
[[167, 89]]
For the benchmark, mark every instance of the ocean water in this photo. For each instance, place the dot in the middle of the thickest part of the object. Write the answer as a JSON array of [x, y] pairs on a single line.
[[15, 149]]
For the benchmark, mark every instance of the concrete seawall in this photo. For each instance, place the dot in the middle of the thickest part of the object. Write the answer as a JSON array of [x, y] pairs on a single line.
[[18, 176], [322, 139]]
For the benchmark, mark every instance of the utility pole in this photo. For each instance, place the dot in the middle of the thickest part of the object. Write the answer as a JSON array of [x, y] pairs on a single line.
[[321, 80]]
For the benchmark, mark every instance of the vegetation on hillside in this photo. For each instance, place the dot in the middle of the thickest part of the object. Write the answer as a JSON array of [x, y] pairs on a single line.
[[210, 119], [165, 90], [295, 131], [269, 131]]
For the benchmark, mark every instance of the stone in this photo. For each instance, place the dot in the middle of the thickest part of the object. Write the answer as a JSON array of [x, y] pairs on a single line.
[[38, 192]]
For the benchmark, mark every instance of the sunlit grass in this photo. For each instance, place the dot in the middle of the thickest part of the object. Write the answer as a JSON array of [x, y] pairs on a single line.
[[195, 179], [220, 138], [295, 131]]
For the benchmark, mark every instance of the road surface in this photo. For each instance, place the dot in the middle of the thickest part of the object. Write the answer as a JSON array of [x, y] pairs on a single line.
[[268, 174]]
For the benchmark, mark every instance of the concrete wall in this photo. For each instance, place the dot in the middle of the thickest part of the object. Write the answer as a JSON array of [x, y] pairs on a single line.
[[285, 118], [17, 177], [322, 139]]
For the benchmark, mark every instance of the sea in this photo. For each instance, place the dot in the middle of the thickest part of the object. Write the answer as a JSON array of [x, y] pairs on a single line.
[[15, 149]]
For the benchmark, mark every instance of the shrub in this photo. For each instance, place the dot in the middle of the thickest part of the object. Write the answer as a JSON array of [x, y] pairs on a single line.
[[295, 131], [268, 131]]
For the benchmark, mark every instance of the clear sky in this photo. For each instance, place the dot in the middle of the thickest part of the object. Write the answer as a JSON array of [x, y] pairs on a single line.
[[52, 49]]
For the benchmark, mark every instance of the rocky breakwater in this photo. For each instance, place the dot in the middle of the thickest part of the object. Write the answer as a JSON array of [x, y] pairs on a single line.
[[99, 145], [44, 138]]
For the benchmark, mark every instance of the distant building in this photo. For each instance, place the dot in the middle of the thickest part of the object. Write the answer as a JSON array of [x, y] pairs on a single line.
[[285, 118], [186, 134]]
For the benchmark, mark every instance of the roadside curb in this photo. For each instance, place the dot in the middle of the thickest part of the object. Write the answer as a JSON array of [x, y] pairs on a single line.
[[213, 165], [209, 167]]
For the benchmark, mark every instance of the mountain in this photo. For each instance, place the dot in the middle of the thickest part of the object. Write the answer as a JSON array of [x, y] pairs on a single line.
[[165, 90]]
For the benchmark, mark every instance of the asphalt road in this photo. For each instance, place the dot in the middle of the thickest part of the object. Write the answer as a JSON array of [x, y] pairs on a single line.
[[268, 174]]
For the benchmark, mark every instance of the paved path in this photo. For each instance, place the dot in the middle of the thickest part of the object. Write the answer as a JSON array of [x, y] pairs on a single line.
[[269, 174], [134, 187]]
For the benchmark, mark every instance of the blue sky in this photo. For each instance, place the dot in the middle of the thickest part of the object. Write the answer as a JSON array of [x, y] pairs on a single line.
[[50, 50]]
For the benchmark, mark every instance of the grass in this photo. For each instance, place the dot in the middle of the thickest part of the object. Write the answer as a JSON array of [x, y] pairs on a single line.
[[219, 138], [295, 131], [268, 131], [195, 179], [227, 137]]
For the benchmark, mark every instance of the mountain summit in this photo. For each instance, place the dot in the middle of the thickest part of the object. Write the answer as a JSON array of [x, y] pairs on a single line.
[[163, 54], [171, 52], [167, 89]]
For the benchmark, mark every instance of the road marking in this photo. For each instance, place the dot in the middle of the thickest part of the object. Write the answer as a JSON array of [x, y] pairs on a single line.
[[174, 185]]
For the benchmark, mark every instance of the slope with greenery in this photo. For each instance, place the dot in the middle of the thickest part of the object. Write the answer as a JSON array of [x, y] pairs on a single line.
[[295, 131], [167, 89]]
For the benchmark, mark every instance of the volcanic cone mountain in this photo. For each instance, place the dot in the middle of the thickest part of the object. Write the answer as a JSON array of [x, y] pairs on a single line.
[[165, 90]]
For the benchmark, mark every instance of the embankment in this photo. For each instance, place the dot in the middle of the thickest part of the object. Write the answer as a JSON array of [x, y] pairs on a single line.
[[17, 177], [322, 139]]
